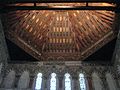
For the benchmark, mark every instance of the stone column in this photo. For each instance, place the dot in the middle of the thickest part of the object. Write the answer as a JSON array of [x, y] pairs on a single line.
[[87, 82], [3, 52], [45, 83], [76, 82], [48, 82], [89, 79], [60, 78], [34, 82], [73, 83]]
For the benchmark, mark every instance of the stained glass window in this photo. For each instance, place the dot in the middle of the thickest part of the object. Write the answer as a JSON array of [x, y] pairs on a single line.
[[38, 81], [82, 81], [53, 82], [67, 82]]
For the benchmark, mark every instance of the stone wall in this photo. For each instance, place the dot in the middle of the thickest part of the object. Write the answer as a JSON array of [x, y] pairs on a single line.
[[3, 48], [60, 68], [3, 53], [116, 56]]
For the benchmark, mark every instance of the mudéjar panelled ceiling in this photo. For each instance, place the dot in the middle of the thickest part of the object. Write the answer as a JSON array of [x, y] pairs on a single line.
[[60, 34]]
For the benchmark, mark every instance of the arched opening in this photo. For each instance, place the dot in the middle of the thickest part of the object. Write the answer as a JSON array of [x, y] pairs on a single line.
[[67, 82], [53, 81], [38, 83], [82, 81]]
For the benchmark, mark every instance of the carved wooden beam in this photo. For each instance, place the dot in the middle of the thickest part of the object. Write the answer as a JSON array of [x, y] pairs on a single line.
[[57, 1]]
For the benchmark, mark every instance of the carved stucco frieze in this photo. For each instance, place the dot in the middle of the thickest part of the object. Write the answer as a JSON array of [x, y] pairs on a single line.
[[59, 69]]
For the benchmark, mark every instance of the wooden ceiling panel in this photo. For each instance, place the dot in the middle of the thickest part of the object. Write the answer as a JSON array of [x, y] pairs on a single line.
[[68, 34]]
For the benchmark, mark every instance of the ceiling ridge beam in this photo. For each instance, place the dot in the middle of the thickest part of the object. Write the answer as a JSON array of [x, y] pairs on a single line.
[[58, 1]]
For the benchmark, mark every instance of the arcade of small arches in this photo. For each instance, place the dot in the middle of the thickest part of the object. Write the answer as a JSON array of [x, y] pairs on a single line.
[[54, 82], [67, 82]]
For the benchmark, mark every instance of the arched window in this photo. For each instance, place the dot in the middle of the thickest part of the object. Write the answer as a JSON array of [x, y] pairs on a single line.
[[82, 81], [53, 82], [67, 82], [38, 81]]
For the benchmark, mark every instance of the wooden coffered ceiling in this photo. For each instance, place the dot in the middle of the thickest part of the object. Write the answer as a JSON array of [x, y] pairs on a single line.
[[60, 34]]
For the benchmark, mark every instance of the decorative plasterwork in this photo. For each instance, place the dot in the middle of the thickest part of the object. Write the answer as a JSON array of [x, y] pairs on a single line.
[[60, 68]]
